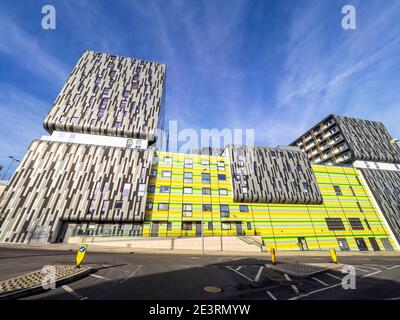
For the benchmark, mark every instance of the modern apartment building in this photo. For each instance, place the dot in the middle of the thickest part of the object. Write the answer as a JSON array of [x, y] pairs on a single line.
[[343, 140], [102, 172]]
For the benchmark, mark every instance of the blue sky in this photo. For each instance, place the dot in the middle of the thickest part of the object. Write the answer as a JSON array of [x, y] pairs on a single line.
[[275, 66]]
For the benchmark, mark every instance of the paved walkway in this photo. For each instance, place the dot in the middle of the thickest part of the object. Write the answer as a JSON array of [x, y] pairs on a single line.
[[110, 249]]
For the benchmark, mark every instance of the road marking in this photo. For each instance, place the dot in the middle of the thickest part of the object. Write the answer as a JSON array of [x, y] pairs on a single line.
[[295, 289], [393, 267], [373, 268], [73, 292], [258, 273], [377, 265], [371, 274], [238, 268], [272, 296], [320, 281], [287, 277], [100, 277], [240, 274], [315, 291], [132, 274], [333, 276], [363, 270]]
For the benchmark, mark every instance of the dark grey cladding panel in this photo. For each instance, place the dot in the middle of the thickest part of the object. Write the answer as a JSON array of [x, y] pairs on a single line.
[[135, 96], [385, 186], [272, 175], [58, 181], [368, 140]]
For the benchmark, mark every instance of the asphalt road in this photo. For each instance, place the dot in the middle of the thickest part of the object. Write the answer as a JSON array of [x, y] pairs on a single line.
[[151, 276]]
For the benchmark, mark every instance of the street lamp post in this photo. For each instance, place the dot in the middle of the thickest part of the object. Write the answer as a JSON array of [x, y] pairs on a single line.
[[12, 162]]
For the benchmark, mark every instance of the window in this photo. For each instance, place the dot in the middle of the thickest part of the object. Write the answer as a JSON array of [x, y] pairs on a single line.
[[244, 208], [224, 210], [207, 207], [356, 224], [152, 189], [118, 205], [96, 188], [186, 225], [273, 154], [359, 207], [74, 120], [210, 225], [188, 163], [92, 122], [305, 187], [187, 210], [117, 124], [241, 164], [367, 224], [126, 189], [334, 224], [187, 177], [106, 91], [205, 178], [248, 225], [206, 191], [98, 80], [226, 226], [135, 85], [205, 162], [91, 206], [149, 206], [154, 173], [104, 101], [299, 169], [338, 191], [101, 112], [169, 225], [111, 65], [113, 73], [104, 207], [163, 206], [141, 189], [166, 174], [126, 94], [187, 190], [221, 165], [223, 192], [221, 177], [164, 189], [244, 190], [122, 105], [167, 160], [105, 187]]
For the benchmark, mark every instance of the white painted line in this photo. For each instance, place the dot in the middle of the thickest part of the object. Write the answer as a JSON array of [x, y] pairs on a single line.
[[272, 296], [132, 274], [230, 268], [363, 270], [371, 274], [287, 277], [295, 289], [258, 273], [320, 281], [369, 267], [393, 267], [100, 277], [238, 268], [73, 292], [315, 291], [377, 265], [333, 276]]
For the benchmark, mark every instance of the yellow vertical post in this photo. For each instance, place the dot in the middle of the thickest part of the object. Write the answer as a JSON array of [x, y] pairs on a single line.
[[333, 255], [273, 255]]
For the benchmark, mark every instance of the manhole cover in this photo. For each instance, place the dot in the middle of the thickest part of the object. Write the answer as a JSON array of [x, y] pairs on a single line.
[[212, 289]]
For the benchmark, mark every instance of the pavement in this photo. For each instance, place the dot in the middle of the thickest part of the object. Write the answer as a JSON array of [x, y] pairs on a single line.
[[127, 276]]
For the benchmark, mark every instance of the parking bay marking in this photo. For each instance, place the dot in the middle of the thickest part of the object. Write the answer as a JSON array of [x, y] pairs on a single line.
[[73, 292], [257, 277], [132, 274], [320, 281]]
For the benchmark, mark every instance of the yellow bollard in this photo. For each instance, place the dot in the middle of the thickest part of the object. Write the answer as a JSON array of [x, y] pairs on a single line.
[[80, 256], [273, 256], [333, 255]]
